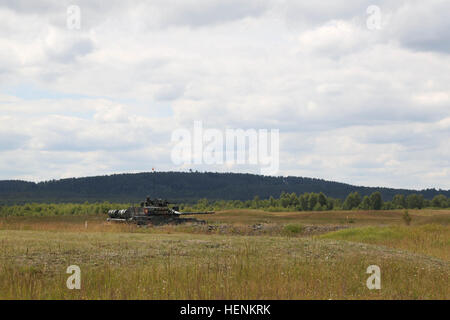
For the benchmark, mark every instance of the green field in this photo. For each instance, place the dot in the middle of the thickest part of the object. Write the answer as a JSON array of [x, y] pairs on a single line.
[[237, 254]]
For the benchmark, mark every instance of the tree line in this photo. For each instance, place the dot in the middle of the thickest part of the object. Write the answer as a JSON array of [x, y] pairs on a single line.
[[320, 202], [59, 209], [285, 202]]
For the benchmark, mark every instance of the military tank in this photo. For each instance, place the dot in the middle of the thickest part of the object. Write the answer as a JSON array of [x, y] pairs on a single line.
[[155, 212]]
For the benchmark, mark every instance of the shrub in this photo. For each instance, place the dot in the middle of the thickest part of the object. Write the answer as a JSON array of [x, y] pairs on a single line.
[[292, 229], [406, 217]]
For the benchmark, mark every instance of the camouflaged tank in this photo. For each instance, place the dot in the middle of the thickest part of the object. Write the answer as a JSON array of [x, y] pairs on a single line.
[[153, 212]]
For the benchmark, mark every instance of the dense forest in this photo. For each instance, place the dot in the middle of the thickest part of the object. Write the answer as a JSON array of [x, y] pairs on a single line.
[[184, 187]]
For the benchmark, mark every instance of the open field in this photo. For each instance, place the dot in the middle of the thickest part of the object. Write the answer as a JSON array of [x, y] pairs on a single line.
[[390, 217], [237, 254]]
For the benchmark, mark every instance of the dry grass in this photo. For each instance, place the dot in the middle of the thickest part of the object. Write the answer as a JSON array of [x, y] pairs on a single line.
[[239, 219], [433, 239], [179, 266], [330, 217], [188, 262]]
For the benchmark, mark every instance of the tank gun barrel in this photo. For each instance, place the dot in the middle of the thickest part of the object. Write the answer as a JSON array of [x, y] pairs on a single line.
[[191, 213]]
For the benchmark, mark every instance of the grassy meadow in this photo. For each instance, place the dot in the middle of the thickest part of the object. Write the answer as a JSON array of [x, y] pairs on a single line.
[[236, 254]]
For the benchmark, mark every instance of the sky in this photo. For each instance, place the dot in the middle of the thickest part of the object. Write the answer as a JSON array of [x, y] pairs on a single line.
[[359, 90]]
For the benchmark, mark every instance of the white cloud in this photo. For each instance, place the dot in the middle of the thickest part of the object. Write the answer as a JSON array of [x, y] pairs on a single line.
[[355, 105], [335, 38]]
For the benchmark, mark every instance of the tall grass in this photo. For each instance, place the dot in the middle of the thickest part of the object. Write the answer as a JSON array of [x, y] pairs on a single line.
[[431, 239], [182, 266], [122, 261], [235, 277]]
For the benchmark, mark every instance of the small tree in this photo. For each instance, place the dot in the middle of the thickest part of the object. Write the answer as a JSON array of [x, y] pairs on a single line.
[[406, 217], [303, 199], [439, 201], [293, 200], [322, 199], [256, 201], [272, 201], [365, 204], [415, 201], [353, 201], [313, 200], [376, 201], [399, 201]]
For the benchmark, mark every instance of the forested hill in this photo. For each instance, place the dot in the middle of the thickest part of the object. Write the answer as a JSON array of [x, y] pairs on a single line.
[[180, 187]]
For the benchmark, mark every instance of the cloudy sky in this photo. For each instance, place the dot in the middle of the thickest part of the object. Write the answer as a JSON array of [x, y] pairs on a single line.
[[358, 95]]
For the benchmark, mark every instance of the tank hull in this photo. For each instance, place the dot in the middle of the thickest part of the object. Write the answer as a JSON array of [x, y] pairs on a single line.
[[155, 215], [157, 220]]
